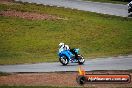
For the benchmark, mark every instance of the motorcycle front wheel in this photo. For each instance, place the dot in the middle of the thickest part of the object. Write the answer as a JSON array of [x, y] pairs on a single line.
[[81, 60]]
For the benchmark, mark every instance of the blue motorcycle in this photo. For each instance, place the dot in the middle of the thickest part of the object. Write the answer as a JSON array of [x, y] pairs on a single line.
[[67, 56]]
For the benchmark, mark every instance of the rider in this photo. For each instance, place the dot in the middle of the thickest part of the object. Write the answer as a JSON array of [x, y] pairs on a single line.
[[62, 47], [66, 47]]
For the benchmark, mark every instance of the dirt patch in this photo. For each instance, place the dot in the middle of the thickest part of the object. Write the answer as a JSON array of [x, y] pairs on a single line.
[[7, 2], [55, 79], [41, 79], [29, 15]]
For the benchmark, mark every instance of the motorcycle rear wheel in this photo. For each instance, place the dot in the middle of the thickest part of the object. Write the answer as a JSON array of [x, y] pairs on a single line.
[[64, 60]]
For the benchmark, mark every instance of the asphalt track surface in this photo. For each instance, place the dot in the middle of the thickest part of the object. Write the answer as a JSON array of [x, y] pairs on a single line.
[[104, 8], [110, 63]]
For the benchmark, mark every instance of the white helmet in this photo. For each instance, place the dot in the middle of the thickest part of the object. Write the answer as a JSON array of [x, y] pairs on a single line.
[[61, 44]]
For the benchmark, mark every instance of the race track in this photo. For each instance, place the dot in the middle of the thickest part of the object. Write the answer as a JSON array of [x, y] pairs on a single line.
[[104, 8], [111, 63]]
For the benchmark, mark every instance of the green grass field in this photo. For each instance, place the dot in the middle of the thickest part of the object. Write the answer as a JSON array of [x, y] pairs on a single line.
[[31, 41], [4, 74]]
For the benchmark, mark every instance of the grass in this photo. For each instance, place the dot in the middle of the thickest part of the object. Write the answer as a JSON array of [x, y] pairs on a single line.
[[31, 41], [109, 1], [4, 74]]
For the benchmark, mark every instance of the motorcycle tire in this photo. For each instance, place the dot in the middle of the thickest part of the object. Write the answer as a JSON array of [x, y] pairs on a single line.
[[81, 60], [129, 11], [64, 60]]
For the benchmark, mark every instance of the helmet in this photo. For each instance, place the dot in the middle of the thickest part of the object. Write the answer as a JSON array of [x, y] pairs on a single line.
[[61, 44]]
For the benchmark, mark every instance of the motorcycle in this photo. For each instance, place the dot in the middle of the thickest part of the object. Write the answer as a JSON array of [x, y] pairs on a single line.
[[67, 56], [129, 7]]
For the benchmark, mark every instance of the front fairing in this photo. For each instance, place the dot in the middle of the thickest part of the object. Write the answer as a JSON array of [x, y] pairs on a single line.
[[67, 53]]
